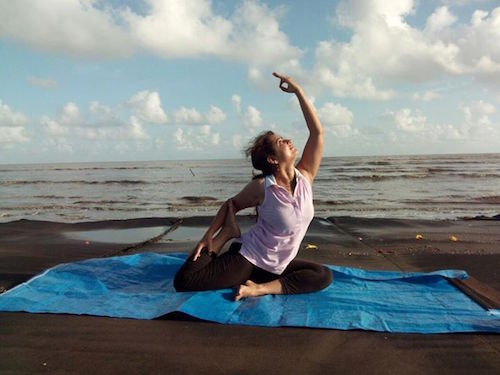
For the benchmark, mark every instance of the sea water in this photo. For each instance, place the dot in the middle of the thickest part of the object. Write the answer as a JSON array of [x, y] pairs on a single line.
[[424, 186]]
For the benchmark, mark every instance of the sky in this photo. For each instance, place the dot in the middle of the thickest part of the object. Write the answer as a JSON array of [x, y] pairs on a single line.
[[92, 80]]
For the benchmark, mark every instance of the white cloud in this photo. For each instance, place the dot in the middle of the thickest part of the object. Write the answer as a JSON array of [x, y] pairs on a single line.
[[252, 118], [385, 49], [179, 28], [12, 126], [103, 116], [53, 128], [13, 134], [426, 96], [146, 105], [10, 118], [72, 27], [236, 100], [70, 115], [405, 120], [195, 139], [475, 125], [170, 29], [477, 119], [440, 19], [215, 139], [46, 83], [189, 116], [257, 37], [205, 129], [100, 123], [134, 130], [337, 119], [215, 115], [59, 144]]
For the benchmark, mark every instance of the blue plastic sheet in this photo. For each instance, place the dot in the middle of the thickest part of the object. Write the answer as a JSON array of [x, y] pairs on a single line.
[[140, 286]]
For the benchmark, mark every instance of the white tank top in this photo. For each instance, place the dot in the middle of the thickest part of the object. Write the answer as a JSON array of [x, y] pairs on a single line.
[[273, 242]]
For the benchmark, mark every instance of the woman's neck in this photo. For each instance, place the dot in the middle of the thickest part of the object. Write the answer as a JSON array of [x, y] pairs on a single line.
[[286, 177]]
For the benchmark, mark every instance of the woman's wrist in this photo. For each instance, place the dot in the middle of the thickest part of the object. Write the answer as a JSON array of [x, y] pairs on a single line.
[[299, 91]]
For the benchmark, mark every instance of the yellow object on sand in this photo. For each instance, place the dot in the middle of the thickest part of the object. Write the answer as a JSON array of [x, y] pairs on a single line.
[[453, 238], [419, 237], [310, 246]]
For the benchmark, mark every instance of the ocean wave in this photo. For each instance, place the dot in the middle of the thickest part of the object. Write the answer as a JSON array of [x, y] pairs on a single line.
[[104, 201], [199, 199], [454, 200], [491, 199], [331, 202], [78, 182]]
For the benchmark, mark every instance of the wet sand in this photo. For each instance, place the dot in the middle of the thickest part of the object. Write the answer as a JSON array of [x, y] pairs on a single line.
[[34, 343]]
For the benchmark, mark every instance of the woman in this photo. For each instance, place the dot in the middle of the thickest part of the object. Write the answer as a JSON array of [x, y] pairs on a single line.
[[263, 260]]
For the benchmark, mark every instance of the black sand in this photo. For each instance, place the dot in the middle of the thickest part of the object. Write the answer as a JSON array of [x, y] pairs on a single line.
[[37, 343]]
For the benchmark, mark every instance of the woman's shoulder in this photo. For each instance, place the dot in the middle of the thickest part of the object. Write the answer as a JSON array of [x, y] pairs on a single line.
[[305, 175]]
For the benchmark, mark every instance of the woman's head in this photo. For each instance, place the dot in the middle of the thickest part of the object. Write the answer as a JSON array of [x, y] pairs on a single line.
[[268, 150]]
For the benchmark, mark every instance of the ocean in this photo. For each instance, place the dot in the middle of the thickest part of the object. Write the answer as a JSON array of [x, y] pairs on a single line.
[[423, 187]]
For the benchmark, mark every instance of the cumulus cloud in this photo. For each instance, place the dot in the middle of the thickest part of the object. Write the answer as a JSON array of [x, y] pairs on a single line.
[[53, 128], [337, 119], [195, 139], [215, 115], [477, 119], [71, 27], [440, 19], [70, 115], [16, 134], [385, 49], [134, 130], [476, 124], [252, 118], [406, 120], [146, 105], [169, 29], [187, 116], [103, 116], [215, 138], [9, 118], [100, 122], [191, 116], [12, 126], [236, 100], [179, 28]]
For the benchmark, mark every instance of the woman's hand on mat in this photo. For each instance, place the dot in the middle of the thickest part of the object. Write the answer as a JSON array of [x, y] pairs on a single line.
[[287, 84], [205, 242]]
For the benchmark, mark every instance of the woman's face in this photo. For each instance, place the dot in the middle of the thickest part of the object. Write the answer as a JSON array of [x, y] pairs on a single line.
[[284, 149]]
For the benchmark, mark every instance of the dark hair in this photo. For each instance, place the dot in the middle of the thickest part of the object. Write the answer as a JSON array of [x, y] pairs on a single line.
[[259, 149]]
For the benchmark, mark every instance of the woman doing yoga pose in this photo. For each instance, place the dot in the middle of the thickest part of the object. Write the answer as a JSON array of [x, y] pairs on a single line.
[[262, 261]]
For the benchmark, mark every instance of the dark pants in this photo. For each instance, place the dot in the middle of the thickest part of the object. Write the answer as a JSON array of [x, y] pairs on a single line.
[[231, 269]]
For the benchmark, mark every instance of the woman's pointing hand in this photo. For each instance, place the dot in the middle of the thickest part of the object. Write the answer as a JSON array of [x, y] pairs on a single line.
[[287, 84]]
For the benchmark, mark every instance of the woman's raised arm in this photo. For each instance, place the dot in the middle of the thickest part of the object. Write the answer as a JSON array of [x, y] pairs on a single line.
[[313, 150]]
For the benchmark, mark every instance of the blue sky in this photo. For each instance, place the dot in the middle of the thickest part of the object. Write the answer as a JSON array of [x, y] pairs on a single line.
[[117, 80]]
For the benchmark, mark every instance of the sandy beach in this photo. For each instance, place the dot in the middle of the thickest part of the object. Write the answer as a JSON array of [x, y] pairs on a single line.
[[33, 343]]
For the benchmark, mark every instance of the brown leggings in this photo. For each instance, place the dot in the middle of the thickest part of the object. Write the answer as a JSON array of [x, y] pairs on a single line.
[[231, 269]]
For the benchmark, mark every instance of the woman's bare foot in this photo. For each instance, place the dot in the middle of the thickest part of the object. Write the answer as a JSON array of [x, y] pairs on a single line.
[[249, 289]]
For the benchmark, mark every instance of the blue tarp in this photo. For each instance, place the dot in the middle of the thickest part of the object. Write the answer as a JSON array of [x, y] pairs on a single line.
[[140, 286]]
